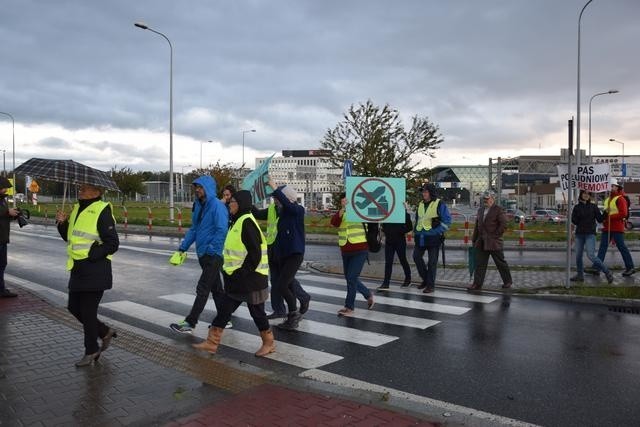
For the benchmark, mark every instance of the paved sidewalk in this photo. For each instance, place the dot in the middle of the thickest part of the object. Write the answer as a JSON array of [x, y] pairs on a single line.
[[140, 381]]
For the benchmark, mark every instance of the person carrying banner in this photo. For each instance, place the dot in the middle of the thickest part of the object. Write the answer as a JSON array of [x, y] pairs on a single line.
[[615, 212], [432, 221]]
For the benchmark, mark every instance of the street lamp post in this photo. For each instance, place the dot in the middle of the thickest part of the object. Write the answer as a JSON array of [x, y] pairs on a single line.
[[578, 159], [146, 27], [202, 142], [624, 169], [4, 163], [612, 91], [243, 132], [13, 141]]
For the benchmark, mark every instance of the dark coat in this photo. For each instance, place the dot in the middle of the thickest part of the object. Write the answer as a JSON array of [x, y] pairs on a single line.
[[584, 217], [94, 273], [5, 220], [290, 239], [395, 233], [489, 228]]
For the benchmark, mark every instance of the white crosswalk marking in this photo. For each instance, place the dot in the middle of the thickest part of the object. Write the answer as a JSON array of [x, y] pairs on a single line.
[[438, 293], [398, 302], [285, 353], [353, 335]]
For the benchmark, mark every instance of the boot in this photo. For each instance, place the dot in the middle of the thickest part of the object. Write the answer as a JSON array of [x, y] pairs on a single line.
[[268, 343], [212, 342]]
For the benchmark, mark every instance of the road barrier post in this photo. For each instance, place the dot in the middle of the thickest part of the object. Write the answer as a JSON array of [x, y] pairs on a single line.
[[179, 219], [125, 214], [149, 219], [521, 226]]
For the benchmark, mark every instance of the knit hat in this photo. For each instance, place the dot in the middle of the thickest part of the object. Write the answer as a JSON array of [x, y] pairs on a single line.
[[289, 193]]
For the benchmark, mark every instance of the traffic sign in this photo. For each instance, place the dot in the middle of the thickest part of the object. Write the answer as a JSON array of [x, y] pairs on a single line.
[[375, 199]]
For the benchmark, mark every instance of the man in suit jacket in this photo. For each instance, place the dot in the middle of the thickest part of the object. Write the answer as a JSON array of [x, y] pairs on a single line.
[[491, 223]]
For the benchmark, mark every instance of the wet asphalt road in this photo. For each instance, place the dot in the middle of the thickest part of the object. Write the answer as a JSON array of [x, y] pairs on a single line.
[[549, 363]]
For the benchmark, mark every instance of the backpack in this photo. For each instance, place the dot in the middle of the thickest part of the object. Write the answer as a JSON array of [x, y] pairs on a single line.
[[628, 206], [374, 236]]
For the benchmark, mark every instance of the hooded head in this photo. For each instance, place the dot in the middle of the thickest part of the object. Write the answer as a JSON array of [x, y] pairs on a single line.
[[433, 192], [289, 193], [244, 199], [208, 184]]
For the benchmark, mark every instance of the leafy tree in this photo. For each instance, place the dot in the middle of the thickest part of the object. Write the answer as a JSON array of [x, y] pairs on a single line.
[[223, 174], [376, 141], [128, 182]]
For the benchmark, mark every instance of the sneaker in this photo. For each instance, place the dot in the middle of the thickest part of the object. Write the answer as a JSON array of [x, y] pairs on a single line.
[[182, 326], [275, 315], [6, 293], [229, 325], [592, 270], [609, 277], [577, 278], [628, 272], [382, 288]]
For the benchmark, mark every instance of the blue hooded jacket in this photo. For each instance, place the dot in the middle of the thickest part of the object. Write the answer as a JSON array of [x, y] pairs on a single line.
[[209, 221]]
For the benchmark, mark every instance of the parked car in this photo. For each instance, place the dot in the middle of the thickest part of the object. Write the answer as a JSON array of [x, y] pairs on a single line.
[[634, 219], [515, 215], [548, 215]]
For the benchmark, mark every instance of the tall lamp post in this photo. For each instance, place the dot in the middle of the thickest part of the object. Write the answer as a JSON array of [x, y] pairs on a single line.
[[243, 133], [610, 92], [13, 141], [624, 169], [578, 159], [146, 27], [202, 142]]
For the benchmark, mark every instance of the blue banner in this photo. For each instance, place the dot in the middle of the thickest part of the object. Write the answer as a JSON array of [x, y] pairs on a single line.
[[347, 169], [256, 182]]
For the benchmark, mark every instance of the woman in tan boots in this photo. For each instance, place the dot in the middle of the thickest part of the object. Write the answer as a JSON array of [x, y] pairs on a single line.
[[245, 272]]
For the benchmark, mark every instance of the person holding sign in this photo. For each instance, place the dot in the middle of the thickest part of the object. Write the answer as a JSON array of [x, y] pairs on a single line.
[[432, 221], [584, 217], [615, 212], [354, 249]]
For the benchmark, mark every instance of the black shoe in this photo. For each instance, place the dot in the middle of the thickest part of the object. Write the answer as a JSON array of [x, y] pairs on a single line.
[[592, 271], [291, 324], [382, 288], [628, 272], [421, 286], [275, 315], [609, 277], [6, 293], [304, 305], [406, 284], [428, 290], [577, 278], [507, 286]]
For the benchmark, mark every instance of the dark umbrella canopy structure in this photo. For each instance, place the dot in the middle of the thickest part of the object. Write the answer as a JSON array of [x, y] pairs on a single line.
[[66, 171]]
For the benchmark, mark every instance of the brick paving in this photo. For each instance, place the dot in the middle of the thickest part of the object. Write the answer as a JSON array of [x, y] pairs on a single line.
[[142, 382]]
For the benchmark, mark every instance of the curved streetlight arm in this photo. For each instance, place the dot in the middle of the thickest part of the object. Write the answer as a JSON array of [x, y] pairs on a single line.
[[609, 92], [243, 133], [13, 140]]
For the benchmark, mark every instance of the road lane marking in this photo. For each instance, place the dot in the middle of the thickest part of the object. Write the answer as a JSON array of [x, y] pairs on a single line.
[[410, 291], [243, 341], [341, 333], [398, 302]]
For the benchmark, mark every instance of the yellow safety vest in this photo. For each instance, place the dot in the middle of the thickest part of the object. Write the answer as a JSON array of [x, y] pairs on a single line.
[[611, 205], [235, 252], [83, 231], [272, 224], [352, 232], [426, 215]]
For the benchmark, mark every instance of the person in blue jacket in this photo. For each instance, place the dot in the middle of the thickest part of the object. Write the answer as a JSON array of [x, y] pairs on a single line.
[[209, 226], [432, 221]]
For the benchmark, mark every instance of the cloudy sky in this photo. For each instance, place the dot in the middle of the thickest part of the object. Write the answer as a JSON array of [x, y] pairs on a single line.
[[497, 76]]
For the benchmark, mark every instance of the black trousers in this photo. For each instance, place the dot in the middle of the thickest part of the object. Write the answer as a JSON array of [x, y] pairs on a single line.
[[390, 249], [209, 283], [482, 259], [228, 305], [84, 306], [3, 263], [287, 269]]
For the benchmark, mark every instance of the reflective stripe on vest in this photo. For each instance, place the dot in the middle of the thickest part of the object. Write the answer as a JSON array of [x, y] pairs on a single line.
[[234, 251], [611, 205], [272, 224], [352, 232], [424, 218], [83, 231]]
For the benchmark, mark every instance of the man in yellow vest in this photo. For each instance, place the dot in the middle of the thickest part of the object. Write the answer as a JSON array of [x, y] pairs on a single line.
[[90, 233], [245, 272], [432, 221]]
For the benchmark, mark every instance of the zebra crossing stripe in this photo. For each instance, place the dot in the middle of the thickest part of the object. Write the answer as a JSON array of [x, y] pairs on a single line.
[[438, 293], [341, 333], [398, 302], [376, 316], [285, 353]]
